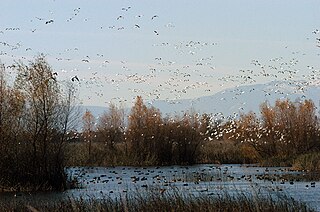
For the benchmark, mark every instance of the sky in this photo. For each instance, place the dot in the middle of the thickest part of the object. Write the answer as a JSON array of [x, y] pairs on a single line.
[[167, 50]]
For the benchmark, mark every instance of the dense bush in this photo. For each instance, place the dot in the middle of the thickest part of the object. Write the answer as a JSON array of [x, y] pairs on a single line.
[[308, 162]]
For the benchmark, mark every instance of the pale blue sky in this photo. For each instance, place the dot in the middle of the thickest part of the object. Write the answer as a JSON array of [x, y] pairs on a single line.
[[200, 48]]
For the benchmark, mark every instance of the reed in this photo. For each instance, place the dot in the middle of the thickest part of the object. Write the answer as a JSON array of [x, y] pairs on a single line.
[[154, 200]]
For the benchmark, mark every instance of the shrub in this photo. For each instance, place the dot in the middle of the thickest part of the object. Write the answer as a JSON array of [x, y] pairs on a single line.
[[308, 162]]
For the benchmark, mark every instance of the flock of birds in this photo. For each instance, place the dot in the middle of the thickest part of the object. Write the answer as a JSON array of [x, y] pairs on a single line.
[[162, 77], [206, 178]]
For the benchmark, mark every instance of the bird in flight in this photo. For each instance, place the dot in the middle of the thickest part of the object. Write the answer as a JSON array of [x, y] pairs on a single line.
[[49, 22], [75, 78], [126, 8], [120, 17], [40, 19], [153, 17], [53, 76]]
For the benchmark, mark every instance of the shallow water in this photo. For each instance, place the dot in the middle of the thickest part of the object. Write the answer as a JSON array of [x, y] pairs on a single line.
[[204, 179]]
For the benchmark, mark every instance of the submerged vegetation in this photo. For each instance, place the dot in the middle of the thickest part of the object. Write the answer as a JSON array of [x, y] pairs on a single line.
[[38, 140]]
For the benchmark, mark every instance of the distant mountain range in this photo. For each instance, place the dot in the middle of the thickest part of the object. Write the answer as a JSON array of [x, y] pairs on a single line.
[[240, 99]]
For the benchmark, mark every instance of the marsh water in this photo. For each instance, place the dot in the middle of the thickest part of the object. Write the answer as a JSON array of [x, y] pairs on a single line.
[[204, 179]]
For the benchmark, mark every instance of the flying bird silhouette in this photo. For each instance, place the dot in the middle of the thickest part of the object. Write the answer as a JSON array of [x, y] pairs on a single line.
[[153, 17], [49, 22], [126, 9], [75, 78]]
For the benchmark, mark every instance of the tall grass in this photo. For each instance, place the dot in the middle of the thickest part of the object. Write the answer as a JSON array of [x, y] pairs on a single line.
[[167, 201]]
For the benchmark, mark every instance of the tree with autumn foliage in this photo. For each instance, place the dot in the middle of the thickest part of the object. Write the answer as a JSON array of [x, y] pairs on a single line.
[[40, 114], [12, 112], [88, 130], [291, 127], [111, 125], [111, 133], [283, 131], [186, 133], [155, 140], [142, 124]]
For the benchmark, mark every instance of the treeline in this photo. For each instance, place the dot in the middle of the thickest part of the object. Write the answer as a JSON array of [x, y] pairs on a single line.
[[35, 116], [37, 139], [143, 137], [278, 136], [282, 133]]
